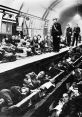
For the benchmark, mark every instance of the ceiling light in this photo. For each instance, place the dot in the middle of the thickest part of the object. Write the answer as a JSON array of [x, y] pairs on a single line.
[[77, 17]]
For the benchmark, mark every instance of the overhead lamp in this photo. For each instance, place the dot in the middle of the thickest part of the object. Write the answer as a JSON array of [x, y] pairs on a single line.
[[77, 17]]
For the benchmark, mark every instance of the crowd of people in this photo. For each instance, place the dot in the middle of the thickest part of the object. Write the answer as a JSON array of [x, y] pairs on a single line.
[[33, 81], [73, 32], [13, 95], [16, 47], [70, 104]]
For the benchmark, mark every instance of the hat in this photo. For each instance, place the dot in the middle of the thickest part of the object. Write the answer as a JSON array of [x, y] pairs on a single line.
[[65, 95], [27, 76], [32, 75]]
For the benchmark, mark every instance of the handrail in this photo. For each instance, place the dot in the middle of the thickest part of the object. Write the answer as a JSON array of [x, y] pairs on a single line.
[[27, 98]]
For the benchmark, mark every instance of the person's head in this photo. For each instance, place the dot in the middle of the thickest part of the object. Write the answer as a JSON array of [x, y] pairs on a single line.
[[76, 25], [7, 40], [32, 75], [2, 103], [41, 75], [74, 85], [65, 97], [3, 40], [27, 81], [25, 90], [27, 76], [68, 25], [16, 37], [59, 64], [38, 36], [35, 38], [77, 72], [13, 37], [55, 20], [25, 37], [15, 89]]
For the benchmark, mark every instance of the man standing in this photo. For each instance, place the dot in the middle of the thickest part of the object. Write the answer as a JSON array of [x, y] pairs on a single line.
[[56, 32], [76, 33], [68, 35]]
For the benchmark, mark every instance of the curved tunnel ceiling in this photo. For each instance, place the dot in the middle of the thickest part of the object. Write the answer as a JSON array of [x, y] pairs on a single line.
[[41, 8], [65, 11], [48, 9], [68, 16], [58, 6]]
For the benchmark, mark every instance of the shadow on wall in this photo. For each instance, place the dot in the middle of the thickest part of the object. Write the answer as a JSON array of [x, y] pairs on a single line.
[[68, 16]]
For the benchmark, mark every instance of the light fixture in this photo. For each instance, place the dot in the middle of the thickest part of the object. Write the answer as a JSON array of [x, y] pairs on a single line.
[[77, 17]]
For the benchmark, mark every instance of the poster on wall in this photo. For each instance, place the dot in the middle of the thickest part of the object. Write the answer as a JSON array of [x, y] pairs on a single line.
[[24, 27], [9, 28], [25, 32], [1, 14], [0, 28], [6, 28], [30, 33], [3, 27]]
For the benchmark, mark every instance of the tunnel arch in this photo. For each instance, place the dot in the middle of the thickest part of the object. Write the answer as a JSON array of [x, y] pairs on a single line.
[[67, 15], [56, 3]]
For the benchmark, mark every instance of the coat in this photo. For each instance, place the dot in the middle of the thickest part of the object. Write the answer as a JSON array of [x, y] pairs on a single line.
[[56, 29], [72, 107]]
